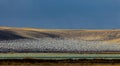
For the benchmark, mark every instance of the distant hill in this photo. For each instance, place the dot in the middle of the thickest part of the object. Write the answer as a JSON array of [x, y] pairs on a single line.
[[59, 40], [11, 33]]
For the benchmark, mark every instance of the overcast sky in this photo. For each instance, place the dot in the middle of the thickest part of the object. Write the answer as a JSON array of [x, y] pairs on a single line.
[[69, 14]]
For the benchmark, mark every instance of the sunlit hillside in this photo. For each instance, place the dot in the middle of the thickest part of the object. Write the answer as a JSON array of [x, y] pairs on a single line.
[[82, 34], [58, 40]]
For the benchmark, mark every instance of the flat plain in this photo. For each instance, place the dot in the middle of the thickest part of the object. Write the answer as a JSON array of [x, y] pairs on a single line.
[[57, 56]]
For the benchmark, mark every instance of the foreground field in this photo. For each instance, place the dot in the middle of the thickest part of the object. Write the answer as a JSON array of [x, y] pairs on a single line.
[[57, 56], [35, 62]]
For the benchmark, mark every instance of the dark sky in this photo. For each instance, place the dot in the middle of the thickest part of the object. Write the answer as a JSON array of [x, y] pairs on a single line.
[[69, 14]]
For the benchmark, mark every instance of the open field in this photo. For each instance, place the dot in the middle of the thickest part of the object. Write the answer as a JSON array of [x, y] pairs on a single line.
[[58, 59], [57, 56]]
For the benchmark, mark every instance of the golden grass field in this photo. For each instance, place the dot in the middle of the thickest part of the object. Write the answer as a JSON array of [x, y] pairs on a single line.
[[112, 35]]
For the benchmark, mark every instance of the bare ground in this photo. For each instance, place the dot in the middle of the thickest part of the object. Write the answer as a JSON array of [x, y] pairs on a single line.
[[81, 62]]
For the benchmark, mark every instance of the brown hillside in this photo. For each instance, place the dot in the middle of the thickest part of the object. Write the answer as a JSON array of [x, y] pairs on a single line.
[[9, 33]]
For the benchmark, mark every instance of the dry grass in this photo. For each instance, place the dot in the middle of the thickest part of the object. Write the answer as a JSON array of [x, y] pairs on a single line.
[[114, 40], [99, 35]]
